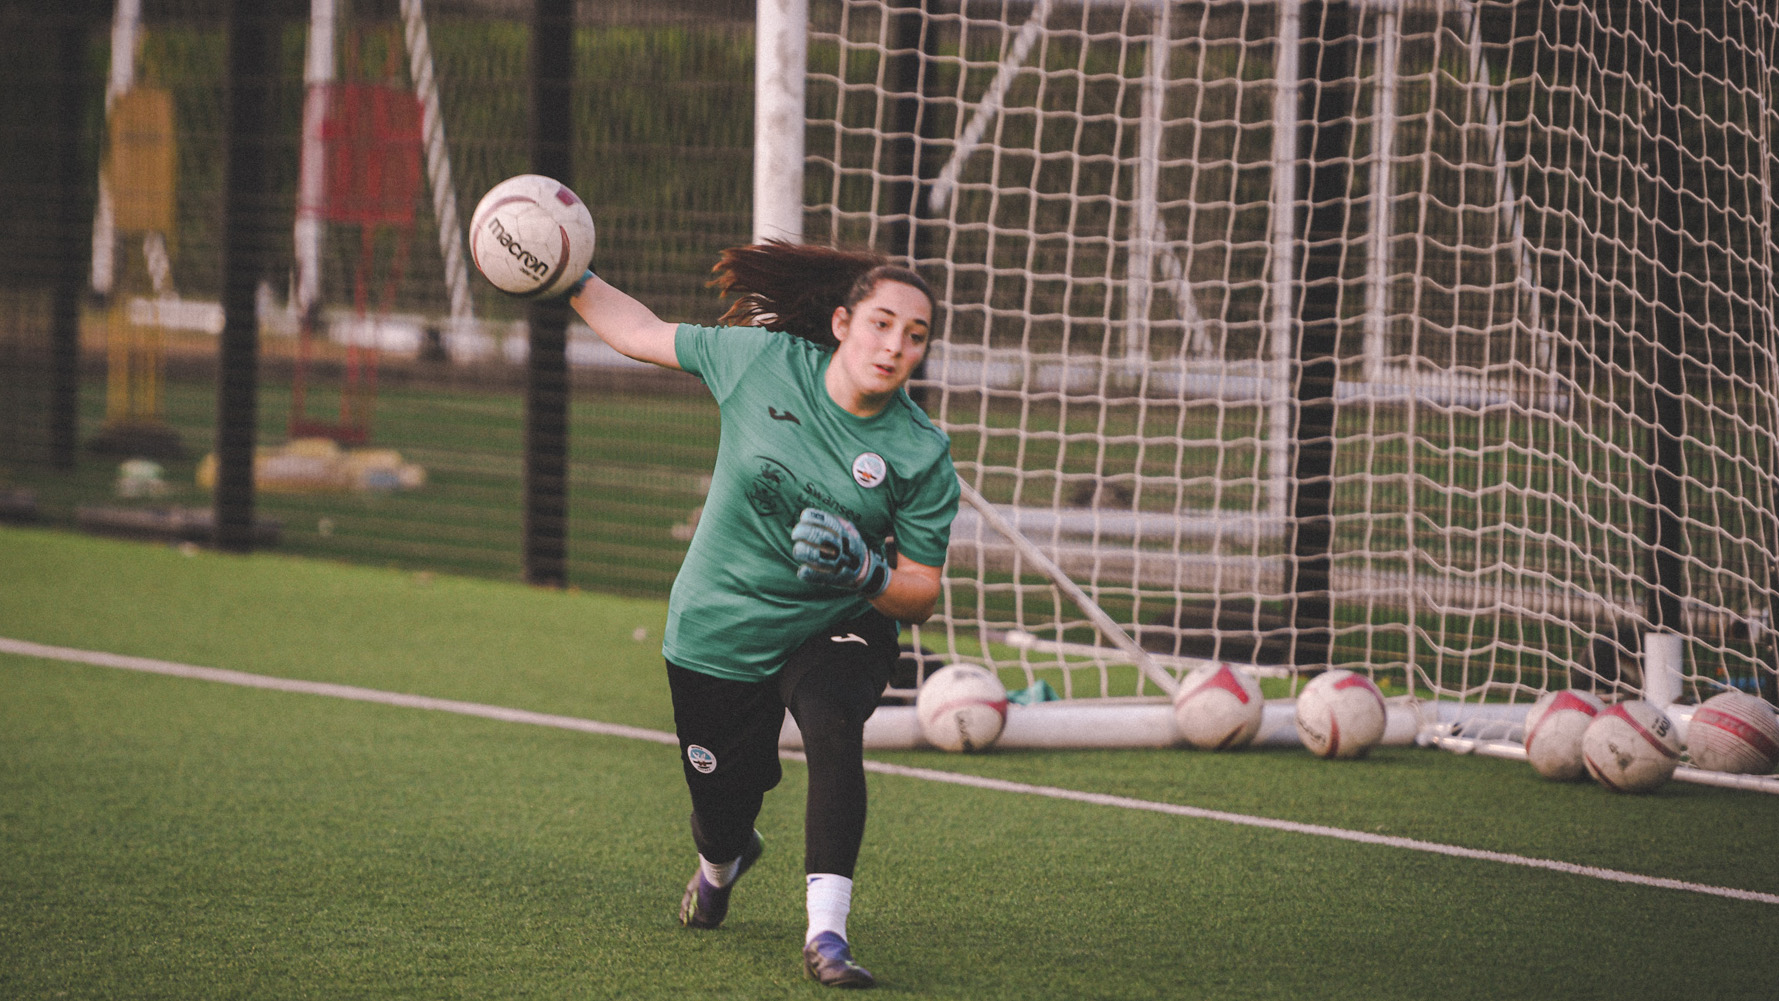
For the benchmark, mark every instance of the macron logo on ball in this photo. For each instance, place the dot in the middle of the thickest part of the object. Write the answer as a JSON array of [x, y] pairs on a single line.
[[526, 258]]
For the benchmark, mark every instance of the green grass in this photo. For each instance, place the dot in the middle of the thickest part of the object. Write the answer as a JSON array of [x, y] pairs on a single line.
[[172, 838]]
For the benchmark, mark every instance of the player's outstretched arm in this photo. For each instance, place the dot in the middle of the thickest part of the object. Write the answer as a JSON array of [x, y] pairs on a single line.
[[912, 593], [830, 551], [627, 325]]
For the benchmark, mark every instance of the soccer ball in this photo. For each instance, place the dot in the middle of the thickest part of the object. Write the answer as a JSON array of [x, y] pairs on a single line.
[[1218, 708], [1340, 714], [531, 237], [961, 707], [1734, 732], [1630, 747], [1554, 726]]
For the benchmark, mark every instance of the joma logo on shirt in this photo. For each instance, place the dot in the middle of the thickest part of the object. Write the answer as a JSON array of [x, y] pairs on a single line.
[[783, 415]]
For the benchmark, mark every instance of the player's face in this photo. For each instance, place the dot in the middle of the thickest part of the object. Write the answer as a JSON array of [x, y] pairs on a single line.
[[882, 339]]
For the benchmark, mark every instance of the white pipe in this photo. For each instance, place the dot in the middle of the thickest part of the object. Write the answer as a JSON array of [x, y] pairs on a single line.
[[126, 25], [126, 29], [1513, 750], [1092, 724], [1768, 784], [1145, 228], [1088, 724], [1278, 724], [1682, 718], [1283, 284], [1664, 654], [780, 64], [1064, 725], [1383, 148], [318, 72], [438, 162]]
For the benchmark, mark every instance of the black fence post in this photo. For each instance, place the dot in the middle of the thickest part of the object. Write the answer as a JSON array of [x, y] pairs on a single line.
[[74, 208], [253, 67], [1671, 46], [906, 79], [1326, 106], [546, 370]]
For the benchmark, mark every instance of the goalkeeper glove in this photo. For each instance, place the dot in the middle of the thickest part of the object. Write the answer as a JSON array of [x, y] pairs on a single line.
[[832, 553]]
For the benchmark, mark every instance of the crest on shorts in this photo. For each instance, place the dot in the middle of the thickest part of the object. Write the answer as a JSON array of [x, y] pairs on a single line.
[[701, 759], [868, 470]]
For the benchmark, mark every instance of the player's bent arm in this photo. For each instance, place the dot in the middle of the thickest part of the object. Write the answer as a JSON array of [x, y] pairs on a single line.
[[912, 593], [631, 328]]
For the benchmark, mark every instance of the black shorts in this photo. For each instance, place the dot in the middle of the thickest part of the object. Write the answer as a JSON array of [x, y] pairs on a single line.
[[728, 730]]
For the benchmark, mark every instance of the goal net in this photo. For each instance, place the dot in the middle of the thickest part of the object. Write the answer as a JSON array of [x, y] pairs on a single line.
[[1432, 339]]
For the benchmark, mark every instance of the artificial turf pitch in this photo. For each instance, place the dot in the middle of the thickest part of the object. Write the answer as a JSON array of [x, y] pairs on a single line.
[[168, 837]]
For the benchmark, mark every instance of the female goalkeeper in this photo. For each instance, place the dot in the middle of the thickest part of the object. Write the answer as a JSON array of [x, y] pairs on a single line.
[[789, 596]]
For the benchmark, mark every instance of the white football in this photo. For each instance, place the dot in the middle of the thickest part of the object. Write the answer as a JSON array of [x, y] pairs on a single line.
[[1631, 747], [1340, 714], [961, 707], [1554, 726], [1734, 732], [531, 236], [1218, 708]]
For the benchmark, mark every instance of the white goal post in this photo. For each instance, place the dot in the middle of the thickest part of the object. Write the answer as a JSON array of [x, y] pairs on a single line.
[[1429, 338]]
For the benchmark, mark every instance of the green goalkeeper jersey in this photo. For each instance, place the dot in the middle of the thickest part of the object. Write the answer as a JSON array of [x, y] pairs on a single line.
[[737, 609]]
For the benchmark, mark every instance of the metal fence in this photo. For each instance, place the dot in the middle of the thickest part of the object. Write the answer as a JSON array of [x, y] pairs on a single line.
[[390, 415]]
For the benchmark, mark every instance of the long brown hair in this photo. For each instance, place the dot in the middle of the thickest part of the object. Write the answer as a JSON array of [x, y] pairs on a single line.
[[795, 287]]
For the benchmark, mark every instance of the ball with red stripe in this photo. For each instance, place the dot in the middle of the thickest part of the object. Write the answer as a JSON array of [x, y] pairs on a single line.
[[1340, 714], [1554, 726], [531, 236], [961, 707], [1218, 708], [1631, 747], [1734, 732]]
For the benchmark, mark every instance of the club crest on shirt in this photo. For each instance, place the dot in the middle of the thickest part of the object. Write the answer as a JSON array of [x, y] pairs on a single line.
[[771, 485], [868, 470]]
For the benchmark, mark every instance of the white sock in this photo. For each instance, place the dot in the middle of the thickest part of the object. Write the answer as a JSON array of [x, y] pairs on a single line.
[[719, 875], [829, 900]]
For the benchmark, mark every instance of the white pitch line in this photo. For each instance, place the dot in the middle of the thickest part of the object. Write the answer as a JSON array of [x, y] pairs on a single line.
[[354, 693], [1319, 830]]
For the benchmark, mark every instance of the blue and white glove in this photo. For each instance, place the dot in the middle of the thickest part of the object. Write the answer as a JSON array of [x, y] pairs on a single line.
[[832, 553]]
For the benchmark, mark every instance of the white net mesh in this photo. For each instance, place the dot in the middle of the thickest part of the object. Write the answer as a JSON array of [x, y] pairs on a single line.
[[1432, 339]]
